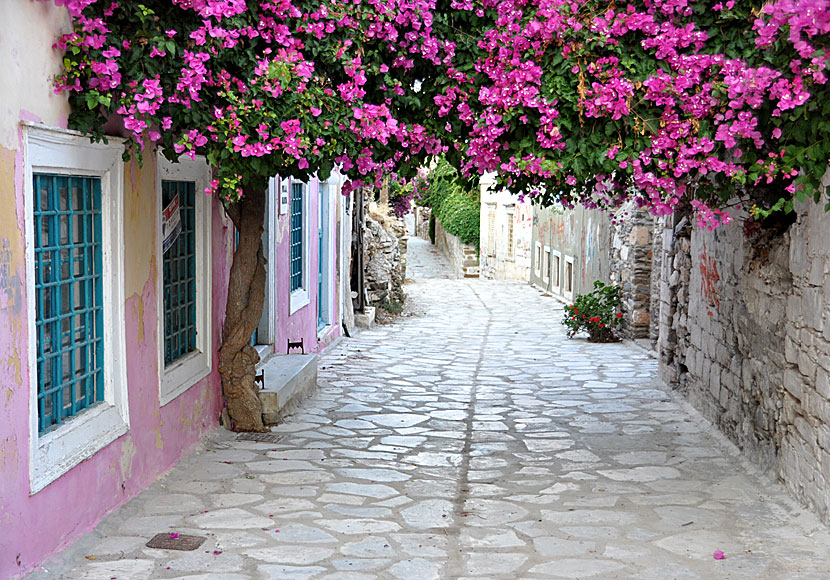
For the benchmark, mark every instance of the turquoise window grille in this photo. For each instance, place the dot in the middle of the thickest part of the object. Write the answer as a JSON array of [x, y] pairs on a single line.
[[297, 235], [69, 317], [179, 270]]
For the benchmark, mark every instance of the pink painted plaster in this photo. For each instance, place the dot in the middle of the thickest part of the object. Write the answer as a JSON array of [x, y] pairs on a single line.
[[33, 527], [302, 324]]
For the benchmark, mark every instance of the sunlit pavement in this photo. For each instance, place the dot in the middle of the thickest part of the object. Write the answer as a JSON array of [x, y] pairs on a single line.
[[474, 441]]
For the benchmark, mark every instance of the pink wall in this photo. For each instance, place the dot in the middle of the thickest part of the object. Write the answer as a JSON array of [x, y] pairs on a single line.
[[303, 323], [30, 529]]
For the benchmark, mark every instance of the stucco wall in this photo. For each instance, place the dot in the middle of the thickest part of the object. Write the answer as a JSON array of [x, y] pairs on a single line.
[[581, 234], [746, 338], [500, 263], [34, 526], [302, 324]]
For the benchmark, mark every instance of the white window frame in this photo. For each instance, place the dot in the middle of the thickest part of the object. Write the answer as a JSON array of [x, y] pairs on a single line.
[[556, 272], [510, 232], [568, 280], [185, 372], [546, 265], [49, 150], [300, 297], [537, 263], [491, 229], [325, 195]]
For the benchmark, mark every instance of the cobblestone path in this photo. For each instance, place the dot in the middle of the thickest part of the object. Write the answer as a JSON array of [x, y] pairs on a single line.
[[472, 442]]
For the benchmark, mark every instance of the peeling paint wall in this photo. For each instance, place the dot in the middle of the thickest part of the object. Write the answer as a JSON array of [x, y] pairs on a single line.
[[580, 234], [158, 436]]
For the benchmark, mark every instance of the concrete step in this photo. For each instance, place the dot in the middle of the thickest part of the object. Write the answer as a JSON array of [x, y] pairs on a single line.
[[365, 319], [288, 379]]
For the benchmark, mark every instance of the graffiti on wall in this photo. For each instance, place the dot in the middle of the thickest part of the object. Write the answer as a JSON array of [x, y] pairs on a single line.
[[523, 218]]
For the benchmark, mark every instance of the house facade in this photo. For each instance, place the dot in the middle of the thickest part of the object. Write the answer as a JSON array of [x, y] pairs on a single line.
[[569, 250], [506, 223], [113, 282]]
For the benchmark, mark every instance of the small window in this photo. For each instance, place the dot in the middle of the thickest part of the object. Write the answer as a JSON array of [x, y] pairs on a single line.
[[568, 279], [299, 247], [75, 275], [179, 264], [556, 272], [184, 285], [546, 265], [297, 237], [491, 229], [69, 317], [537, 259], [510, 236]]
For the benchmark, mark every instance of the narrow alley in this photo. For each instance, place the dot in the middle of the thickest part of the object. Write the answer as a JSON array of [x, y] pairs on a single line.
[[471, 441]]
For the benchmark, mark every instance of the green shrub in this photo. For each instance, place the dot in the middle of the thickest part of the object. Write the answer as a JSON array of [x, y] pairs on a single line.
[[432, 228], [458, 210], [596, 313]]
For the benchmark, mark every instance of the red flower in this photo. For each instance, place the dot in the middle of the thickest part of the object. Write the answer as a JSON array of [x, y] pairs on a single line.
[[619, 314]]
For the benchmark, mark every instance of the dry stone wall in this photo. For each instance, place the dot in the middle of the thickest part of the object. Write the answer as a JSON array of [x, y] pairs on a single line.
[[632, 245], [384, 242], [745, 335]]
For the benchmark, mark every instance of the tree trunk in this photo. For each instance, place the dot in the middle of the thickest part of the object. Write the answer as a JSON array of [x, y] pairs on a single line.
[[246, 296]]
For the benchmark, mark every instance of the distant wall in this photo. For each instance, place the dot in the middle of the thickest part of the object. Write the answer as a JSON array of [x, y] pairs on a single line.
[[506, 247], [462, 257], [570, 250]]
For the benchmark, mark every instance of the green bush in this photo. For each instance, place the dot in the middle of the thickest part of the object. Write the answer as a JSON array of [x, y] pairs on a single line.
[[596, 313], [457, 210], [432, 228]]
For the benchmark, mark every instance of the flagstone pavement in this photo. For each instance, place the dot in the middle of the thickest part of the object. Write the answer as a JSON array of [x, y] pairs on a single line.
[[476, 442]]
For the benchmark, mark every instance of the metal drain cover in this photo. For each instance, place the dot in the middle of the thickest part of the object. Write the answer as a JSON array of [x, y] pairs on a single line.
[[183, 542], [260, 437]]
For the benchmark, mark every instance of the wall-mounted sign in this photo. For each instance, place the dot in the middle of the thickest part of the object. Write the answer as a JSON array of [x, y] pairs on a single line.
[[171, 224], [285, 197]]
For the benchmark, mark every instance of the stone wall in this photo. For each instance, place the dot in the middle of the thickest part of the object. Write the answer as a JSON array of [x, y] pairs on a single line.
[[462, 257], [631, 267], [745, 335], [384, 240], [421, 218]]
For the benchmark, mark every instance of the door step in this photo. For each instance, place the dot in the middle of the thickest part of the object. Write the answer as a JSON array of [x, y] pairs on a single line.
[[288, 379]]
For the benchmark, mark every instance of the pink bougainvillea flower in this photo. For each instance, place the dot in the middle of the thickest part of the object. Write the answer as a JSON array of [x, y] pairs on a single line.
[[174, 535], [719, 555]]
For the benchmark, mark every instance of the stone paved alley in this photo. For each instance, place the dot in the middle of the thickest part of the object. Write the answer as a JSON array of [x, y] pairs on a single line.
[[472, 441]]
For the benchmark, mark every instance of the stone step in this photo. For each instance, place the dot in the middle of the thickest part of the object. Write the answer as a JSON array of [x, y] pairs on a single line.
[[288, 379]]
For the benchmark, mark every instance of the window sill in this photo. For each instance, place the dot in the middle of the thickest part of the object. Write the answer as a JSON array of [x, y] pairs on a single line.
[[78, 439], [298, 299], [183, 374]]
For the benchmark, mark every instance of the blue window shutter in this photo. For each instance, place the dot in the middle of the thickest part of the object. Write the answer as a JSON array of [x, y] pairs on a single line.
[[297, 235]]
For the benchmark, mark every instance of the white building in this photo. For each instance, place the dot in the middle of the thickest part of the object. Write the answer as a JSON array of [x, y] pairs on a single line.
[[506, 223]]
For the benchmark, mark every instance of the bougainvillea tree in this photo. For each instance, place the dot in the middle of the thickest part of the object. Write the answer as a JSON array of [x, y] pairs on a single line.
[[259, 89], [678, 104]]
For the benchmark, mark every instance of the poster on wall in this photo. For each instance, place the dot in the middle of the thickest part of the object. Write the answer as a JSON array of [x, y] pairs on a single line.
[[171, 224], [285, 198]]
